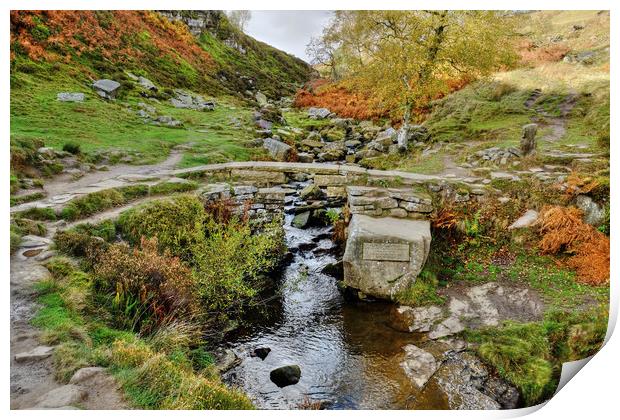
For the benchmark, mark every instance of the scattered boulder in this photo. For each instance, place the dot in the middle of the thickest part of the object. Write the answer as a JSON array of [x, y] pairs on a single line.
[[526, 220], [67, 395], [278, 150], [318, 113], [261, 352], [70, 97], [420, 319], [225, 359], [146, 83], [168, 121], [464, 383], [38, 353], [593, 214], [419, 365], [85, 374], [184, 99], [311, 192], [528, 139], [261, 98], [300, 221], [285, 375], [106, 88]]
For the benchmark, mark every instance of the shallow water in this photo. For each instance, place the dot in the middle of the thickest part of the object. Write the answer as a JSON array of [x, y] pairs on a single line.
[[349, 356]]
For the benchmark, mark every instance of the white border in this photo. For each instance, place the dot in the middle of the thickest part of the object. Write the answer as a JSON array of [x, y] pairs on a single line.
[[592, 395]]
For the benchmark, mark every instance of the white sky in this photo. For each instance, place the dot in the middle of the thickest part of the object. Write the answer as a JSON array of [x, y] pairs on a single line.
[[288, 30]]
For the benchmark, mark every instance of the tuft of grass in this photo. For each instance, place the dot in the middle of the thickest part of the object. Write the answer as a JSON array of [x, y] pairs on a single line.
[[101, 200], [164, 188], [38, 213], [26, 198], [422, 292]]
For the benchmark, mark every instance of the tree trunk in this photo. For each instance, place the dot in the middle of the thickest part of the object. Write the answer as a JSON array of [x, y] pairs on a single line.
[[403, 133]]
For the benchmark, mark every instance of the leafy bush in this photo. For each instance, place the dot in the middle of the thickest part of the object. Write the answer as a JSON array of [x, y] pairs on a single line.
[[177, 223], [143, 289], [71, 147], [228, 264]]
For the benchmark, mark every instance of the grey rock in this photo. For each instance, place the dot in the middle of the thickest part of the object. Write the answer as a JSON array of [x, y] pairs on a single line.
[[318, 113], [261, 98], [38, 353], [528, 139], [146, 83], [419, 365], [277, 150], [106, 88], [85, 374], [285, 375], [385, 276], [225, 359], [593, 214], [33, 241], [526, 220], [66, 395], [70, 97], [300, 221]]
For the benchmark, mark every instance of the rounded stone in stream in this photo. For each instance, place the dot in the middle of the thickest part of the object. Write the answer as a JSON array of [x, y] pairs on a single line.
[[285, 375], [301, 220], [261, 352]]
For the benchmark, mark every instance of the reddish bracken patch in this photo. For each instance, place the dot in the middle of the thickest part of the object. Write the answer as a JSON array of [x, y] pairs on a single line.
[[531, 54], [339, 99], [118, 36], [564, 230]]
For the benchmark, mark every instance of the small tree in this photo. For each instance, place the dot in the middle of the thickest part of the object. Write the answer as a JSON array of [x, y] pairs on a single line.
[[406, 58], [239, 18]]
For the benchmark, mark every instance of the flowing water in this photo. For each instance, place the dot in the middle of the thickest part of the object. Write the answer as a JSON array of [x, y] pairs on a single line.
[[349, 356]]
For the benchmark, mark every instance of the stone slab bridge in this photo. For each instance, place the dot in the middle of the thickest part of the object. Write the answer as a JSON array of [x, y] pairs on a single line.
[[388, 234]]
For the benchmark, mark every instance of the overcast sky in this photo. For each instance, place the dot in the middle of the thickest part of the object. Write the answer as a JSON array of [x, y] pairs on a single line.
[[288, 30]]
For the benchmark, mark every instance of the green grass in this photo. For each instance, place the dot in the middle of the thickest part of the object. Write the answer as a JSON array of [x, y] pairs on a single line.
[[97, 125], [151, 379], [102, 200], [422, 292], [530, 355], [26, 198], [37, 213]]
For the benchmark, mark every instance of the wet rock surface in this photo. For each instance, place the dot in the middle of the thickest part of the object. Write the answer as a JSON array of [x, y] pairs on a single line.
[[285, 375]]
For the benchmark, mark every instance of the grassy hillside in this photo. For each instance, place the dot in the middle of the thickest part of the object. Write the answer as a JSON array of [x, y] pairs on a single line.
[[65, 51]]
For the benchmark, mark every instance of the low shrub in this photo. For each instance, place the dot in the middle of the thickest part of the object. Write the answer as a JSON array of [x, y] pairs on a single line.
[[176, 222], [26, 198], [422, 292], [91, 203], [79, 244], [71, 147], [143, 289], [229, 263], [105, 230], [102, 200]]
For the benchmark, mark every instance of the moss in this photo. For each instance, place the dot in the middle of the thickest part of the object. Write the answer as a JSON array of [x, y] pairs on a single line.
[[422, 292]]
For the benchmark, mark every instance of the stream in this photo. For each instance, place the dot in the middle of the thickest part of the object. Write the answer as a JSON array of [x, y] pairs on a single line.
[[349, 356]]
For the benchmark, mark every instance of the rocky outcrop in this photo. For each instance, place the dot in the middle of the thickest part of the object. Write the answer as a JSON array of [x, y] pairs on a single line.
[[384, 256], [184, 99], [470, 307], [464, 383], [70, 97]]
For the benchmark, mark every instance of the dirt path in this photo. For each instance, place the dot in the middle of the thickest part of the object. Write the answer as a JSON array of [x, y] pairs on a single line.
[[32, 372], [556, 124]]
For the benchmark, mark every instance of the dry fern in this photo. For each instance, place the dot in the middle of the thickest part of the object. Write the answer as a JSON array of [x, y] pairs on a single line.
[[564, 230]]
